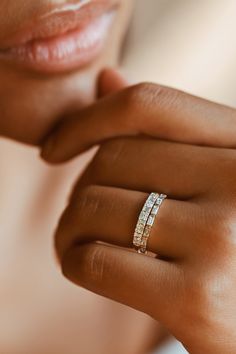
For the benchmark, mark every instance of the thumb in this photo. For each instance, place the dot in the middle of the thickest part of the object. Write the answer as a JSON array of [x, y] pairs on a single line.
[[110, 81]]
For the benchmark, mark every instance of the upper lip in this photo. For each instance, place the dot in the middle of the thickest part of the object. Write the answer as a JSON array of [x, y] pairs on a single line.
[[56, 21]]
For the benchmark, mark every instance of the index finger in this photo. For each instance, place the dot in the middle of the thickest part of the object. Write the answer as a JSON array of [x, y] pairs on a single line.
[[144, 109]]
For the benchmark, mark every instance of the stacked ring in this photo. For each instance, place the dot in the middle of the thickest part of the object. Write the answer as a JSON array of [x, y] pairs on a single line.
[[146, 220]]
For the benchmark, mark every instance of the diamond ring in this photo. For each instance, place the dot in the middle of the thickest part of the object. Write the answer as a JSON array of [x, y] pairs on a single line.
[[146, 220]]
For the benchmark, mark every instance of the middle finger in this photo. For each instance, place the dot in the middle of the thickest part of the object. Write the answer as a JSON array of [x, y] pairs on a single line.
[[178, 170]]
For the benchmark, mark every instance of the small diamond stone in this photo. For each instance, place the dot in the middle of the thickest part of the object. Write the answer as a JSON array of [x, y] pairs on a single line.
[[155, 209], [146, 209], [139, 230], [150, 221], [144, 216], [147, 231], [149, 204]]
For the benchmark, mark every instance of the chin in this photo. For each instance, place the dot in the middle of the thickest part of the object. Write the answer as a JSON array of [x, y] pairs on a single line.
[[32, 103], [35, 96], [31, 106]]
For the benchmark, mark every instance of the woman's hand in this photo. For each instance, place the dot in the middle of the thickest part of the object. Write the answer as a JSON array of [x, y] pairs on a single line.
[[143, 109], [191, 285]]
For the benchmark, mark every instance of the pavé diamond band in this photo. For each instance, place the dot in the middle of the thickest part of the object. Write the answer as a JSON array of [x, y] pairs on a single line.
[[146, 220]]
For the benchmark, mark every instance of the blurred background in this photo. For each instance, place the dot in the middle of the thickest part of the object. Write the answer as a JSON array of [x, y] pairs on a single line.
[[185, 44]]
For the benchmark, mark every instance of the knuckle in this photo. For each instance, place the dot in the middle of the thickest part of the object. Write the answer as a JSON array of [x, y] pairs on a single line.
[[207, 300], [87, 202], [96, 263], [138, 99], [147, 93], [143, 97], [74, 225], [217, 229], [108, 154], [198, 307], [90, 264], [142, 93]]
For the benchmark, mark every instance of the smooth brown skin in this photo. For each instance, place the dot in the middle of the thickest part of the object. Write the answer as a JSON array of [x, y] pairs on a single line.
[[190, 286]]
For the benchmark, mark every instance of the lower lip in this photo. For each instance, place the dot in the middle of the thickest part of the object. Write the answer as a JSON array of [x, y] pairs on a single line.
[[69, 51]]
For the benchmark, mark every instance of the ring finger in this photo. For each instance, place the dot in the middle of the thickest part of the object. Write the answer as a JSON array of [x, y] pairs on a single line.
[[110, 215]]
